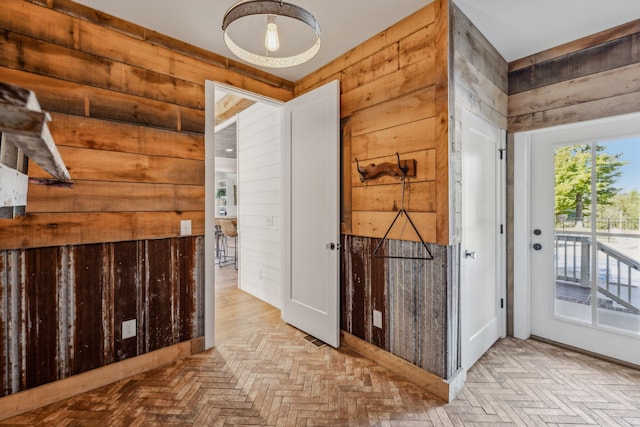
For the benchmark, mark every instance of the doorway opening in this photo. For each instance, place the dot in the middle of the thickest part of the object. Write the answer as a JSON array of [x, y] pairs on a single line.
[[282, 150], [243, 211]]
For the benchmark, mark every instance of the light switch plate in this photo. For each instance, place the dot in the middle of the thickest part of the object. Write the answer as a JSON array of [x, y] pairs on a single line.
[[185, 227], [128, 329]]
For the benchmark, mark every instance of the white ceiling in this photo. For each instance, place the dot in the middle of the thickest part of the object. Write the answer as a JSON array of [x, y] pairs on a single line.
[[517, 28]]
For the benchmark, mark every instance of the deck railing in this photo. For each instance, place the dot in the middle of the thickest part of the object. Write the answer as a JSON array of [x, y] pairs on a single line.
[[618, 274]]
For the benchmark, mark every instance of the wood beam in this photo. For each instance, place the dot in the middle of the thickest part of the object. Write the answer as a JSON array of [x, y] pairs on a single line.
[[229, 106]]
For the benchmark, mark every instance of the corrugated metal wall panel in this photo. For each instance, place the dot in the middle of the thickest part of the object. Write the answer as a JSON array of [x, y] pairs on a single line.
[[62, 308]]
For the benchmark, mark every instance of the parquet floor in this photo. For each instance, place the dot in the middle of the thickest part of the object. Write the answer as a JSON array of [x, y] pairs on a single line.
[[269, 375]]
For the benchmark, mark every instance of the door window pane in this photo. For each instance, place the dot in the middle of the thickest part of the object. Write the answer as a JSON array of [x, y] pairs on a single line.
[[572, 239], [618, 234]]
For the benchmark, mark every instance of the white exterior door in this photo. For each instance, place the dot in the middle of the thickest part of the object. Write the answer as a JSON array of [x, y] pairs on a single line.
[[311, 261], [482, 282], [583, 275]]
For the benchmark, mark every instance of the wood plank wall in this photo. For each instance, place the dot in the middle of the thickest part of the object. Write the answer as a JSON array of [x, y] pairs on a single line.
[[591, 78], [61, 307], [394, 100], [594, 77], [128, 118]]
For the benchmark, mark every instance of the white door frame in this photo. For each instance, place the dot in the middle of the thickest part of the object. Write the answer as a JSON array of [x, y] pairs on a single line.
[[209, 197], [610, 127]]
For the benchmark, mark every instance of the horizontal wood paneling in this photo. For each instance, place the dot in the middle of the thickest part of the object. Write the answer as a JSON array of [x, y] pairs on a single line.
[[576, 45], [607, 84], [98, 196], [376, 224], [74, 298], [389, 98], [411, 107], [72, 25], [128, 118], [83, 132], [372, 68], [419, 196], [403, 29], [598, 78], [406, 138], [49, 59], [418, 46], [595, 59], [113, 166], [76, 228], [411, 78], [63, 96]]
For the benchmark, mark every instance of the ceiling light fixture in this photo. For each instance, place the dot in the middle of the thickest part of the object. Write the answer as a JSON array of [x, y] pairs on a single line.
[[271, 9]]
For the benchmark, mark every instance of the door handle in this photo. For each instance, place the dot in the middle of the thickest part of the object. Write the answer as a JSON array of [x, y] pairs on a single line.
[[537, 246], [333, 246], [469, 254]]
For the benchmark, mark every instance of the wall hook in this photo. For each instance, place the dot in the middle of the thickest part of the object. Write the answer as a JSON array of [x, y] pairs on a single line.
[[401, 169], [361, 172]]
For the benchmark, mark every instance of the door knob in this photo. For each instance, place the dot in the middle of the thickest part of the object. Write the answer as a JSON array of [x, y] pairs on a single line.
[[537, 232], [331, 246], [469, 254], [537, 246]]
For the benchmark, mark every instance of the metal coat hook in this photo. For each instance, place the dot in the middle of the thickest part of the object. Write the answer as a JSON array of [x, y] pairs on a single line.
[[400, 169], [404, 168], [362, 172]]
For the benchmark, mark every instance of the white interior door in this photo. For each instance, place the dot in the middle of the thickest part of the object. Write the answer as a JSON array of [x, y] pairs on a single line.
[[584, 275], [311, 180], [482, 283]]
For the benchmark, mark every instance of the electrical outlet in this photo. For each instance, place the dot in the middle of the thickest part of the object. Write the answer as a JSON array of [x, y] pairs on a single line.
[[185, 227], [377, 318], [128, 329]]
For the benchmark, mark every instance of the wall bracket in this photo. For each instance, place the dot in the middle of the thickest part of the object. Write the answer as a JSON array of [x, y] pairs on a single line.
[[401, 169]]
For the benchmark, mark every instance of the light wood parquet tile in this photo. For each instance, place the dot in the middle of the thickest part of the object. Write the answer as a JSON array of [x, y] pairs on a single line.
[[272, 376]]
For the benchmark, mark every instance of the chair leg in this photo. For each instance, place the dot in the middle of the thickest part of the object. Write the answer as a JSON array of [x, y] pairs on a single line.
[[236, 253], [222, 250]]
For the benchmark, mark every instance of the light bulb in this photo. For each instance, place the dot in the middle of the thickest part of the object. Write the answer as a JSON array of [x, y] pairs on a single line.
[[271, 39]]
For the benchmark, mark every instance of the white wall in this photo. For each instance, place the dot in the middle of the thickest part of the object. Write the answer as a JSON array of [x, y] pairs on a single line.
[[259, 204]]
